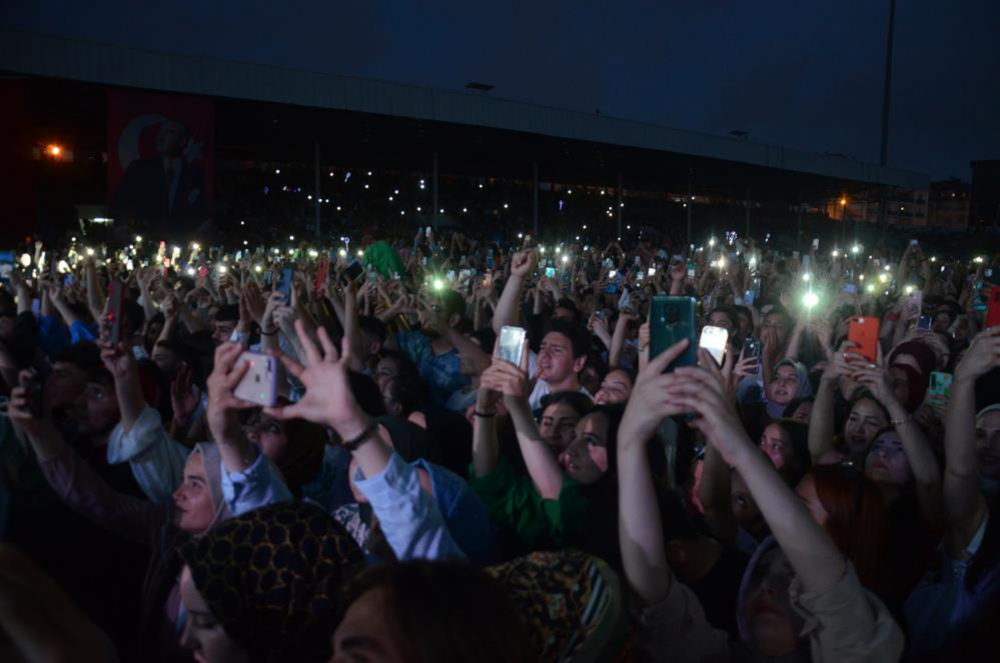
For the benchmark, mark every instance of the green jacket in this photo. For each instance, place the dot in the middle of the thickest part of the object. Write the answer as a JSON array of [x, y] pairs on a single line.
[[537, 524]]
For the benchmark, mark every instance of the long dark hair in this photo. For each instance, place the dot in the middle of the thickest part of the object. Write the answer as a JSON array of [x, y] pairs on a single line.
[[601, 535], [446, 611]]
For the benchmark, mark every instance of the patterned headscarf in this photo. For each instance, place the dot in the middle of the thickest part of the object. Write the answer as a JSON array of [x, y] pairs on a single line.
[[272, 577]]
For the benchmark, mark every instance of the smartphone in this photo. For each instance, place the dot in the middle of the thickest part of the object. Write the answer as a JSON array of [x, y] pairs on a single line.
[[672, 318], [913, 242], [993, 308], [511, 344], [651, 271], [550, 272], [752, 348], [116, 305], [260, 383], [268, 278], [939, 389], [690, 270], [322, 271], [35, 398], [806, 263], [850, 288], [915, 304], [714, 340], [925, 323], [353, 271], [285, 284], [864, 332]]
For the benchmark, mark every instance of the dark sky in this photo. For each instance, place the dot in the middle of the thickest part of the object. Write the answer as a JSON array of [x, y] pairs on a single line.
[[802, 73]]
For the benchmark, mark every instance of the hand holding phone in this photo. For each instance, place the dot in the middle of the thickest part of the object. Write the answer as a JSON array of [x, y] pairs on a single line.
[[714, 340], [672, 319], [260, 383], [115, 310], [510, 345], [864, 333]]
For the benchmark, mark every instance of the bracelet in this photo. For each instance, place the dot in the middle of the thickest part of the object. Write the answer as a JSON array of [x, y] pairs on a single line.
[[352, 445], [899, 422], [485, 415], [272, 333]]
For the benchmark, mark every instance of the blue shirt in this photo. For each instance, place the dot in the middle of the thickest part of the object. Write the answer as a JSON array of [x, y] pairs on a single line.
[[442, 372]]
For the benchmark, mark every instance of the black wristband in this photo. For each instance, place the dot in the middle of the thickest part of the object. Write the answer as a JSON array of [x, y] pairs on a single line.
[[352, 445], [264, 333], [485, 415]]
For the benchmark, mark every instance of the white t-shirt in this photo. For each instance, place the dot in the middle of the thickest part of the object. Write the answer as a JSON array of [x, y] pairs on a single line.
[[542, 389]]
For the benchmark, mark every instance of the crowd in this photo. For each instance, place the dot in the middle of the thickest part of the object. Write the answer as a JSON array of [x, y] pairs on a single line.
[[450, 448]]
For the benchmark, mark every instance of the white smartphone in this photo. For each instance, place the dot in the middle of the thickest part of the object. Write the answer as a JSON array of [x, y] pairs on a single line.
[[511, 345], [260, 384], [714, 340], [651, 271]]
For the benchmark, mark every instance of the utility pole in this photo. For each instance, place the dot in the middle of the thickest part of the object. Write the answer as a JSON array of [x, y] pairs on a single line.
[[886, 96]]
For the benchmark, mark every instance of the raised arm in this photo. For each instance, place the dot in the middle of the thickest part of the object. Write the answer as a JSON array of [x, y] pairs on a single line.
[[512, 382], [639, 529], [618, 340], [410, 519], [821, 421], [121, 363], [926, 471], [964, 503], [485, 445], [522, 264], [817, 562]]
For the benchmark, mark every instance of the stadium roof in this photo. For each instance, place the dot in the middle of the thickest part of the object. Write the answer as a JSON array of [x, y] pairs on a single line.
[[370, 118]]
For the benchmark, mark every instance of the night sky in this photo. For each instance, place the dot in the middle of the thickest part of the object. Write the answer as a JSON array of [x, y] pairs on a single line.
[[803, 73]]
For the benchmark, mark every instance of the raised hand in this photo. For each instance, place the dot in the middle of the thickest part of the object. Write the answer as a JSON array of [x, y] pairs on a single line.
[[222, 403], [982, 356], [118, 359], [328, 400], [523, 263], [506, 378], [701, 390], [649, 405]]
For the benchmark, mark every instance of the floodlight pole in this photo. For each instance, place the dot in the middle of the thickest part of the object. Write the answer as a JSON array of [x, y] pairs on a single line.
[[434, 176], [621, 208], [886, 96], [317, 192], [748, 213], [534, 201], [689, 203]]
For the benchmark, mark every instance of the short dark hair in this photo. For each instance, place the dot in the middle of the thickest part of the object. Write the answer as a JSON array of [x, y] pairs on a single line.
[[134, 316], [366, 393], [85, 355], [451, 303], [228, 313], [578, 337], [580, 403], [372, 326], [409, 391]]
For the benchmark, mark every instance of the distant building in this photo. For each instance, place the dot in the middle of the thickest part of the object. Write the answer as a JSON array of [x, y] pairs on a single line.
[[949, 203], [985, 195]]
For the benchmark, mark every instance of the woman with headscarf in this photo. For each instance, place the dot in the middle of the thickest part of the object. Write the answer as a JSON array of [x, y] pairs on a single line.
[[789, 382], [198, 505], [265, 586]]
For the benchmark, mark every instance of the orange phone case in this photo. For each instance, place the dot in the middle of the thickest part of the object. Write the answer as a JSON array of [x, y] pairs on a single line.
[[993, 310], [864, 332]]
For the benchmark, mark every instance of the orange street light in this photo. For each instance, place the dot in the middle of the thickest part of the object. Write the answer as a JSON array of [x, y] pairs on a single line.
[[53, 150]]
